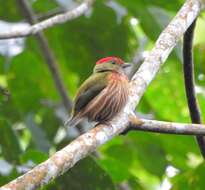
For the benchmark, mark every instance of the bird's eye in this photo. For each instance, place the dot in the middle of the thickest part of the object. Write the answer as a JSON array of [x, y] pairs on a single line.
[[113, 62]]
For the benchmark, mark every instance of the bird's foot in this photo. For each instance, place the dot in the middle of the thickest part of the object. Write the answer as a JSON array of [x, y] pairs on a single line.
[[130, 128], [104, 123]]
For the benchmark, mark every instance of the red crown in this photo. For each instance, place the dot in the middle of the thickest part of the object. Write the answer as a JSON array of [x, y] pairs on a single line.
[[108, 59]]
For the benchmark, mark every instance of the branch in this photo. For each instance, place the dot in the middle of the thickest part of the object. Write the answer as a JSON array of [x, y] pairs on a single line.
[[137, 61], [166, 127], [58, 19], [189, 74], [64, 159], [50, 13], [138, 57], [50, 59], [188, 67], [48, 55]]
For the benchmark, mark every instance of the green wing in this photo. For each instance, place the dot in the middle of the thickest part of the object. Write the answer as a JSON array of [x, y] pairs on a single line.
[[88, 90]]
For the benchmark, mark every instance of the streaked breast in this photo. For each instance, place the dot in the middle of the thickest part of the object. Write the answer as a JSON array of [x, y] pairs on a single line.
[[109, 102]]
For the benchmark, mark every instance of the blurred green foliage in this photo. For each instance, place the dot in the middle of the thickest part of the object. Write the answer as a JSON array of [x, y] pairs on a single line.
[[31, 115]]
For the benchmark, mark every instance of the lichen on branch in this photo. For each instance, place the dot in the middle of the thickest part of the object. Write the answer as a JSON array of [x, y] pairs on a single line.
[[64, 159]]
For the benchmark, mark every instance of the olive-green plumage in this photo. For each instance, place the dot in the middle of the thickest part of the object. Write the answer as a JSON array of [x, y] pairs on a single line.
[[103, 95]]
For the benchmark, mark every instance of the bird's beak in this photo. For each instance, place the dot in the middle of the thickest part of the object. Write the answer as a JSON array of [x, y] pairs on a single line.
[[125, 65]]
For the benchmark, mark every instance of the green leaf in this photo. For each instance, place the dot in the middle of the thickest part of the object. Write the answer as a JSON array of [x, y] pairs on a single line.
[[191, 179], [39, 138], [33, 155], [141, 10], [148, 149], [44, 6], [9, 10], [137, 151], [9, 142], [50, 123], [114, 168], [165, 90], [86, 174], [135, 184], [29, 80], [4, 179]]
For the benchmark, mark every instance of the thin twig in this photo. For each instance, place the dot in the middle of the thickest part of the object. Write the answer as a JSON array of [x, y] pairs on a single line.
[[166, 127], [189, 81], [138, 57], [58, 19], [50, 59], [50, 13], [48, 55], [137, 61]]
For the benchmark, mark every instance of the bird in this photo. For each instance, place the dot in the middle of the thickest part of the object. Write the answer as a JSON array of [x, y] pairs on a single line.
[[103, 95]]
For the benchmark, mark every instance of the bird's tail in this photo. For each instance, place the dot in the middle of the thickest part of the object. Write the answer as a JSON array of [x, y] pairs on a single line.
[[72, 121]]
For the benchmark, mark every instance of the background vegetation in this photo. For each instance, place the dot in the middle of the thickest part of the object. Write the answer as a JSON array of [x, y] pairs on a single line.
[[32, 115]]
